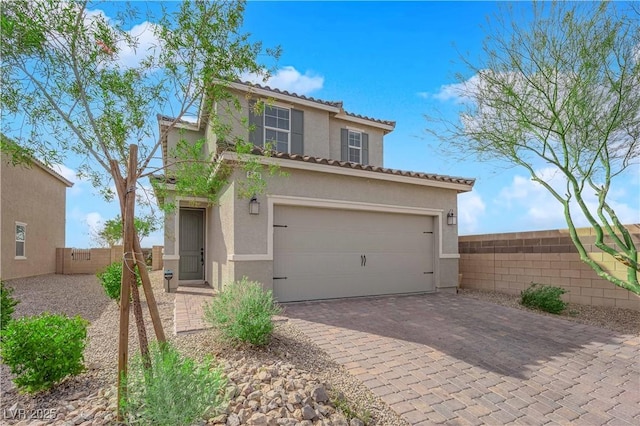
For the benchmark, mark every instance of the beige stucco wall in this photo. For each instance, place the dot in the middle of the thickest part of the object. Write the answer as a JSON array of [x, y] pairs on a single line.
[[220, 241], [375, 140], [175, 135], [311, 184], [321, 129], [37, 198], [251, 232], [231, 230]]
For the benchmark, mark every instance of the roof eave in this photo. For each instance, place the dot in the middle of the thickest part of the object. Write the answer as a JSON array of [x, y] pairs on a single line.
[[284, 97], [327, 168], [387, 128]]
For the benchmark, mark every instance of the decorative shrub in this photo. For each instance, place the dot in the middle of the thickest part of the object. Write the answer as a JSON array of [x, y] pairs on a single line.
[[242, 312], [543, 297], [42, 350], [7, 302], [176, 391], [111, 280]]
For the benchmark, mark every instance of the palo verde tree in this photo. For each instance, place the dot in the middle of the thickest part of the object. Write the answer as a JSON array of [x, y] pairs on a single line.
[[77, 81], [560, 89]]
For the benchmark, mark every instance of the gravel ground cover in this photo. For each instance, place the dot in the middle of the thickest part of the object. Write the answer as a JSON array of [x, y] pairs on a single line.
[[296, 369], [89, 399]]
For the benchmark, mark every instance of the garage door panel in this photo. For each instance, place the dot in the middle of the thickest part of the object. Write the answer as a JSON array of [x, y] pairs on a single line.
[[297, 264], [292, 240], [321, 253]]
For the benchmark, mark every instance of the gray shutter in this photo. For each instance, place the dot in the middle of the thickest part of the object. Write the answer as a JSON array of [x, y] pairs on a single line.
[[365, 148], [297, 131], [255, 121], [344, 145]]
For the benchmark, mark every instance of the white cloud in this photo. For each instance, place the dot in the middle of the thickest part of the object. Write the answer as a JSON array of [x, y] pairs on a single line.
[[94, 221], [72, 176], [65, 172], [535, 208], [289, 79], [471, 208], [146, 44], [456, 92]]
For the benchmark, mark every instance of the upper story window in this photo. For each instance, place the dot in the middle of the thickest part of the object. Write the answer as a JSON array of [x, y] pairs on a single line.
[[355, 146], [277, 127], [21, 238]]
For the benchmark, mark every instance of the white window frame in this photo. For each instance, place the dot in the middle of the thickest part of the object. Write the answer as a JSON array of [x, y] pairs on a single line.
[[276, 129], [24, 241], [350, 147]]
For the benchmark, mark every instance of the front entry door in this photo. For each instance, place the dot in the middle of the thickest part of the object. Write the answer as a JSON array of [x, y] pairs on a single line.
[[191, 244]]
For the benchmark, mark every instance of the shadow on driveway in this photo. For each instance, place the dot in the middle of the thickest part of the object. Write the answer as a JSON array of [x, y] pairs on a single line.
[[505, 340]]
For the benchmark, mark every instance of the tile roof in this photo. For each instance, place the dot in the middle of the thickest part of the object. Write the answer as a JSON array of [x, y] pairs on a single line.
[[358, 166], [171, 119], [349, 165], [364, 117], [337, 104]]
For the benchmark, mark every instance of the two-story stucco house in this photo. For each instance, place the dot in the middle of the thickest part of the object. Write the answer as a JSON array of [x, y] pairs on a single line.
[[339, 224], [32, 218]]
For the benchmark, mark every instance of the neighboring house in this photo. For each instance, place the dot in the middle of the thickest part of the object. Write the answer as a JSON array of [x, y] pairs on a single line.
[[338, 224], [32, 218]]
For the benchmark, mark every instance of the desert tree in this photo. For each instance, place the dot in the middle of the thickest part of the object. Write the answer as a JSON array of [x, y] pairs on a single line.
[[559, 86], [75, 81], [110, 232]]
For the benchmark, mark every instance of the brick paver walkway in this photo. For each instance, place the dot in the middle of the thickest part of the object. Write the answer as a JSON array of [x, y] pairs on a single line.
[[455, 360], [188, 308]]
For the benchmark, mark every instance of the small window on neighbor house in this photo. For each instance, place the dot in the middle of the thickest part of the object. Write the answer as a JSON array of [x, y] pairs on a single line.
[[21, 237], [355, 147], [277, 126]]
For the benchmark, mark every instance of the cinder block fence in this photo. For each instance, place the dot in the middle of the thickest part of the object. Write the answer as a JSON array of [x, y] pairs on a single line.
[[510, 262], [71, 261]]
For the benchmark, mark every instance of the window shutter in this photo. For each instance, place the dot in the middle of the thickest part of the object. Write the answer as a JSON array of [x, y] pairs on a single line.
[[365, 148], [344, 145], [255, 121], [297, 131]]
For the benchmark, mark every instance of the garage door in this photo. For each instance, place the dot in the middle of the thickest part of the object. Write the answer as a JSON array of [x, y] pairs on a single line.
[[325, 253]]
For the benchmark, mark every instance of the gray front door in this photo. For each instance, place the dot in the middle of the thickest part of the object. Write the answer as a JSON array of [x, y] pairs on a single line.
[[191, 244]]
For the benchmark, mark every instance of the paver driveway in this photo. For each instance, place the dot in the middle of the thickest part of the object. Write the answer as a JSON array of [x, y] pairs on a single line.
[[450, 359]]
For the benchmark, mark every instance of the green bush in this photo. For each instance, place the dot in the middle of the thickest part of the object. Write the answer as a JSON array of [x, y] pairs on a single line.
[[42, 350], [543, 297], [111, 280], [176, 391], [7, 302], [242, 312]]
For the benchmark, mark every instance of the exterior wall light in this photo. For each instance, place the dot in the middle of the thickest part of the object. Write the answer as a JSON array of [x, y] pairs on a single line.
[[254, 206], [451, 218]]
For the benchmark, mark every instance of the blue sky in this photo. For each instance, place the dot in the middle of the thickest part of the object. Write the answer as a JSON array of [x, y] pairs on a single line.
[[393, 61]]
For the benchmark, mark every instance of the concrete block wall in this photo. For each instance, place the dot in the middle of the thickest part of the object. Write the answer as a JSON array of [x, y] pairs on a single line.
[[510, 262], [98, 259]]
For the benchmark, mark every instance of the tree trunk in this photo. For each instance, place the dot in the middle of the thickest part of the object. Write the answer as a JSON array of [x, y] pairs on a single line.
[[128, 277], [142, 331], [148, 293], [144, 274]]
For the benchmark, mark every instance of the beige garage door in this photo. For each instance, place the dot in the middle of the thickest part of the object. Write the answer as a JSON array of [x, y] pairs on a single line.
[[328, 253]]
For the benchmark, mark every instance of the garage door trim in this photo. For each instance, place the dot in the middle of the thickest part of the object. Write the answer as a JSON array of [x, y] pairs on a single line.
[[273, 200]]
